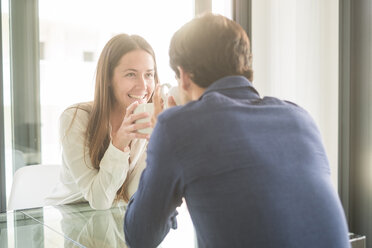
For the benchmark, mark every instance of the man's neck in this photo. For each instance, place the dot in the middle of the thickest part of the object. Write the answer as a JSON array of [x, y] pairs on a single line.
[[196, 91]]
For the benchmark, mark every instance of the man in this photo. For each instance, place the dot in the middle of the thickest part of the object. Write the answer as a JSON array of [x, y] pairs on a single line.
[[253, 171]]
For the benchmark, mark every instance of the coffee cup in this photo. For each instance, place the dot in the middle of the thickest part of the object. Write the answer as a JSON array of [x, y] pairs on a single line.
[[169, 90], [174, 91], [148, 108], [166, 90]]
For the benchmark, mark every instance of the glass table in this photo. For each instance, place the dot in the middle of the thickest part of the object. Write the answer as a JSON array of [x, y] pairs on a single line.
[[78, 225], [20, 230]]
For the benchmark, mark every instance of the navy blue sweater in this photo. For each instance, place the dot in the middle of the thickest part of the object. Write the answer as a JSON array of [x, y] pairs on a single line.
[[253, 172]]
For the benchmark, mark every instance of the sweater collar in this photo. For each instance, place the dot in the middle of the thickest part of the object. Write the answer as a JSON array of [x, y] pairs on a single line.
[[230, 82]]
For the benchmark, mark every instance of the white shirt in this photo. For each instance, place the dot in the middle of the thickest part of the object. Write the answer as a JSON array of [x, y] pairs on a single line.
[[79, 181]]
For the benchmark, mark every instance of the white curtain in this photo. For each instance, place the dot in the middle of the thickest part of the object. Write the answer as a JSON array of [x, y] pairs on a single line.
[[295, 58]]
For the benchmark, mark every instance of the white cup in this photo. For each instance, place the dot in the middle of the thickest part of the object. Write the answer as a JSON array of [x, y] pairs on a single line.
[[145, 107], [171, 91], [174, 91], [166, 90]]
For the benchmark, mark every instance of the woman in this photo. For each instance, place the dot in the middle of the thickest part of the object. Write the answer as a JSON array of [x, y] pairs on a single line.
[[103, 155]]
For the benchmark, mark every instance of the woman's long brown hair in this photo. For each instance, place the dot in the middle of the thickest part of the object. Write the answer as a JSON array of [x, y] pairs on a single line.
[[98, 131]]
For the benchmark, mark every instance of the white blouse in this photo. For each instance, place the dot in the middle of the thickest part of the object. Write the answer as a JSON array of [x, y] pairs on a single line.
[[78, 180]]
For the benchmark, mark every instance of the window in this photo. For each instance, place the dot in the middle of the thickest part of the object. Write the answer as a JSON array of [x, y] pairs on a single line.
[[42, 50], [88, 56], [222, 7], [75, 38]]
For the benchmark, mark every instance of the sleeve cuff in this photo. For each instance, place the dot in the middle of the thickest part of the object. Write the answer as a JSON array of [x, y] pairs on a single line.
[[114, 159], [116, 152]]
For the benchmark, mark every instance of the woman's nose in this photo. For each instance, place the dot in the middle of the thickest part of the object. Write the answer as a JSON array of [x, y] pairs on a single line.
[[142, 82]]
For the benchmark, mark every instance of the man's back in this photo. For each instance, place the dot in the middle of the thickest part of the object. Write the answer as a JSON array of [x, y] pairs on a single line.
[[253, 171]]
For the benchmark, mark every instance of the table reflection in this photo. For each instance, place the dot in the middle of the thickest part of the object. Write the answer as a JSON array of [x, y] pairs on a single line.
[[78, 225], [18, 230], [93, 228], [82, 225]]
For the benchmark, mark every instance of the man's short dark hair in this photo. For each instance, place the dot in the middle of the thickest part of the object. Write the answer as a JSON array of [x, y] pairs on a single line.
[[210, 47]]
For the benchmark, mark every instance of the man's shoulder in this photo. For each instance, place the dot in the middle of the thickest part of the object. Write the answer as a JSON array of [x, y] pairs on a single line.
[[178, 113], [286, 104]]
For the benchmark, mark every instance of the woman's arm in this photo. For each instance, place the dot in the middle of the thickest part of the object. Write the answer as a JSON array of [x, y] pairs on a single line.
[[98, 187]]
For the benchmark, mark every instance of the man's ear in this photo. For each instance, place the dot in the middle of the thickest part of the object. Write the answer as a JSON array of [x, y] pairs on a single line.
[[185, 81]]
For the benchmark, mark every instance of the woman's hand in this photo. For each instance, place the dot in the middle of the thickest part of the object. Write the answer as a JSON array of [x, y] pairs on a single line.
[[128, 129], [159, 105]]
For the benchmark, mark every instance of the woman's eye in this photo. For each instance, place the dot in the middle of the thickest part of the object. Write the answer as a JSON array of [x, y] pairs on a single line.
[[150, 75], [130, 74]]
